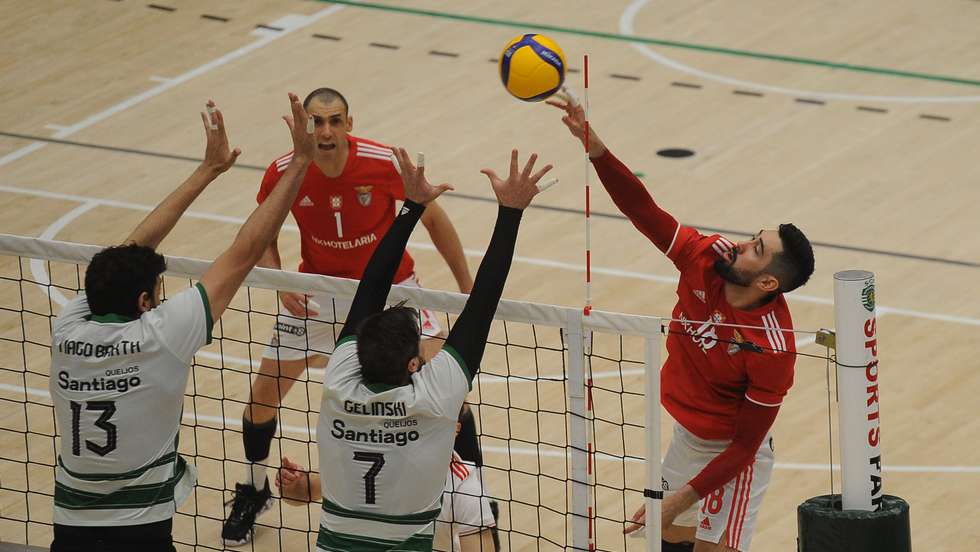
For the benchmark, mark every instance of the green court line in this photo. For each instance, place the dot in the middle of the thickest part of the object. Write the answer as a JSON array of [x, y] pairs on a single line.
[[660, 42]]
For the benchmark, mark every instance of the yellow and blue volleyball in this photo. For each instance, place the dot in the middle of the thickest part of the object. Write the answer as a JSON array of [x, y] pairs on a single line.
[[532, 67]]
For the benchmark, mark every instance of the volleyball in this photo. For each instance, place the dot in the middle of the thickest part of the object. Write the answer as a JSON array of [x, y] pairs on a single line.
[[532, 67]]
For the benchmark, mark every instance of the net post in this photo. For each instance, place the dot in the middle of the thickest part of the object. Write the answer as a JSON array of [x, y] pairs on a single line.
[[578, 431], [651, 387], [588, 201], [857, 384]]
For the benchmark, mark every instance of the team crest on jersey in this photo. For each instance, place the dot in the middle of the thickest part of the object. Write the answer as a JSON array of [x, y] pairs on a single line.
[[336, 202], [363, 195], [717, 317], [699, 293]]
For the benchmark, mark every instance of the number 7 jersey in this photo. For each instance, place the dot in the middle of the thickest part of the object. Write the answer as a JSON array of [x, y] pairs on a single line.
[[384, 451], [117, 386]]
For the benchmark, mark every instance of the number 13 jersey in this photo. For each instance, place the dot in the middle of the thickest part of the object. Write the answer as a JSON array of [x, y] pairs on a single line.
[[118, 387]]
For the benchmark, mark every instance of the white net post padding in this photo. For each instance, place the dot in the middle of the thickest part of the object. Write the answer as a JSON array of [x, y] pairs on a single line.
[[578, 431], [588, 454], [652, 416], [857, 385]]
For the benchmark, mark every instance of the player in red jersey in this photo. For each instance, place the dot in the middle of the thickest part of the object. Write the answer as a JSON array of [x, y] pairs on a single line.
[[345, 206], [731, 353]]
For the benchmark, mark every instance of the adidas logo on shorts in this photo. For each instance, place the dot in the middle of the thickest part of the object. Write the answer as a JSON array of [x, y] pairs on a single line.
[[705, 524]]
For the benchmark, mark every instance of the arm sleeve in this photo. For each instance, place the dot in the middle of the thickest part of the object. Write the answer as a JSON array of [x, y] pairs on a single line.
[[633, 200], [751, 426], [380, 270], [183, 323], [468, 338], [770, 376]]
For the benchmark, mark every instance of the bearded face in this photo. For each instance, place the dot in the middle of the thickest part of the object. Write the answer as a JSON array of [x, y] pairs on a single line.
[[730, 273]]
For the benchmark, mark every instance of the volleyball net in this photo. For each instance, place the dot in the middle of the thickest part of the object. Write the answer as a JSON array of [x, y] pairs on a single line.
[[561, 408]]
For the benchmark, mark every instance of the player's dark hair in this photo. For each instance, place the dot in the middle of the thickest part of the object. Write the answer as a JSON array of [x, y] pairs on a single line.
[[117, 276], [794, 265], [386, 342], [326, 95]]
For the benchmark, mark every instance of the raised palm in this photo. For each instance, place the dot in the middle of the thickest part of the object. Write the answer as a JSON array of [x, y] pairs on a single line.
[[519, 188], [417, 187], [218, 156]]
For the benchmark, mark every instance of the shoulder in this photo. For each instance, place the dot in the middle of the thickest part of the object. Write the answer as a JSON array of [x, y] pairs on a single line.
[[374, 154], [775, 328], [76, 310], [280, 164], [689, 243], [370, 144], [720, 245], [343, 359], [172, 314]]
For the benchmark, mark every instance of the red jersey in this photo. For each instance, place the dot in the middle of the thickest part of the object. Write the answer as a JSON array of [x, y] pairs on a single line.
[[719, 382], [711, 368], [341, 220]]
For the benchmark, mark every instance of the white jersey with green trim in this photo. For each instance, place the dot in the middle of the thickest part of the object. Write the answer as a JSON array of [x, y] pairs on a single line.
[[384, 451], [118, 390]]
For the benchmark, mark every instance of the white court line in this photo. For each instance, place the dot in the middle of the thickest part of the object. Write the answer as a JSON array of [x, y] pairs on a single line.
[[38, 269], [882, 309], [626, 27], [310, 433], [288, 23]]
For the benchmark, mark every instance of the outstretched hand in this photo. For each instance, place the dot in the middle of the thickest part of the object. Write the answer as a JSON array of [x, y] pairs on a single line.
[[417, 187], [218, 157], [574, 119], [520, 187], [304, 141]]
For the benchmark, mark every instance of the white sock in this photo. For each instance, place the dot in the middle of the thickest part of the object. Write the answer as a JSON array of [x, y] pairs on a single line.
[[255, 475]]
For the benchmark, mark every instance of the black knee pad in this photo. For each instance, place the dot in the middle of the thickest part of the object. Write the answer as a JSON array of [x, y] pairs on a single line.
[[467, 444], [676, 546], [258, 438]]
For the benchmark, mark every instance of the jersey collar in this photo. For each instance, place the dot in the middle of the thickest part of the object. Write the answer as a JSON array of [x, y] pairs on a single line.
[[110, 318]]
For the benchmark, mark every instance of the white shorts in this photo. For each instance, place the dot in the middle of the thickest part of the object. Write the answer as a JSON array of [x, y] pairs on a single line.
[[465, 506], [296, 338], [732, 509]]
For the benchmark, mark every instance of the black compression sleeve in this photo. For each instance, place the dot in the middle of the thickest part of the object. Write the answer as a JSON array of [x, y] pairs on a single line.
[[380, 270], [469, 336]]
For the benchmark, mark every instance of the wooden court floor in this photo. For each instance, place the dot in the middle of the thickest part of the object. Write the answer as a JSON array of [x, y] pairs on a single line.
[[856, 122]]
